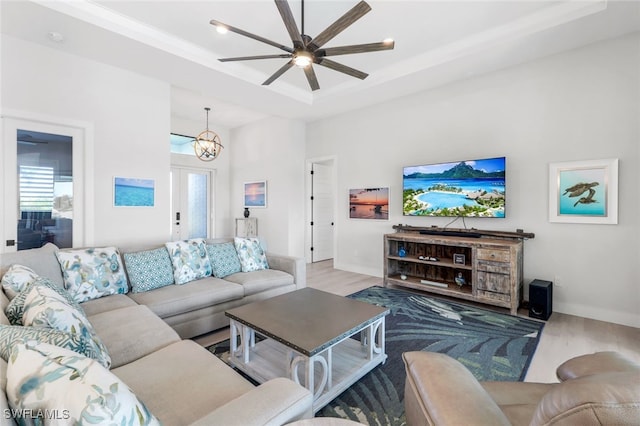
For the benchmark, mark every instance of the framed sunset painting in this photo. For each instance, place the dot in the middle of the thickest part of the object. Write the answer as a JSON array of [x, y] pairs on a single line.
[[369, 203], [255, 194]]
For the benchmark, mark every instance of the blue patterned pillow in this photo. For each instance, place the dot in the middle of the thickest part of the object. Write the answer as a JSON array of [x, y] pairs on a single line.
[[46, 378], [224, 259], [189, 259], [92, 273], [44, 307], [15, 308], [11, 335], [251, 254], [149, 269]]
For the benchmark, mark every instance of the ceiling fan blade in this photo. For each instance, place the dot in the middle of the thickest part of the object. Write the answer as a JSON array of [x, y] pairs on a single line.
[[253, 36], [278, 73], [342, 68], [311, 77], [251, 58], [357, 12], [290, 23], [355, 48]]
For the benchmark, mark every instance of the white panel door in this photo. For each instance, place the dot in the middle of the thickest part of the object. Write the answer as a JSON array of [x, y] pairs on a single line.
[[322, 212]]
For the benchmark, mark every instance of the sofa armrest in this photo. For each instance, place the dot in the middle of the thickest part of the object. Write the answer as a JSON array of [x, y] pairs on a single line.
[[295, 266], [596, 363], [276, 402], [439, 390]]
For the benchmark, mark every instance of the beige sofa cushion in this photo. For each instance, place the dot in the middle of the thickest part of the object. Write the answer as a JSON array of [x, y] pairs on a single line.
[[257, 281], [105, 304], [42, 260], [177, 299], [131, 333], [180, 396]]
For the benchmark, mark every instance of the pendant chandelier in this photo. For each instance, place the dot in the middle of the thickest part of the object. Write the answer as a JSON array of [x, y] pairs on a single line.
[[207, 145]]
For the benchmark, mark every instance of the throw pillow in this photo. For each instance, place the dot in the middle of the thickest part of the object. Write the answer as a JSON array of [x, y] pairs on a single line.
[[11, 335], [46, 378], [224, 259], [92, 273], [44, 307], [149, 269], [15, 308], [16, 279], [251, 254], [189, 259]]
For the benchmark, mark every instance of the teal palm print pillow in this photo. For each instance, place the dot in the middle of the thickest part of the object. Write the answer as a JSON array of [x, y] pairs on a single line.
[[15, 308], [11, 335], [46, 378], [92, 273], [44, 307], [189, 259], [251, 254]]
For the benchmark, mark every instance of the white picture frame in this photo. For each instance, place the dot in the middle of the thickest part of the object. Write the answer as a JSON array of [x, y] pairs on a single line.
[[584, 192]]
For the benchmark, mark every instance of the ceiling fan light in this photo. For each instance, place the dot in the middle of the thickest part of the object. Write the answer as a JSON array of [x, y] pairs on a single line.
[[388, 41], [303, 59], [221, 29]]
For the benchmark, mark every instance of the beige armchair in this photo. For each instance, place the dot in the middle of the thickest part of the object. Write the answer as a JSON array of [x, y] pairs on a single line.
[[596, 389]]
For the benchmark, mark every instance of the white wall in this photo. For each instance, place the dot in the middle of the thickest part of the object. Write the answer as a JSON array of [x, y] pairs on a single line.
[[272, 150], [130, 114], [581, 105]]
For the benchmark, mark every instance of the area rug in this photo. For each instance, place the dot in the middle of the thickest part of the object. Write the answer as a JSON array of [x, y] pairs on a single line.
[[492, 345]]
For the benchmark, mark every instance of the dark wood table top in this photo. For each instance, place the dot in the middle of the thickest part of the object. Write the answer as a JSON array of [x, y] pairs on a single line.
[[307, 320]]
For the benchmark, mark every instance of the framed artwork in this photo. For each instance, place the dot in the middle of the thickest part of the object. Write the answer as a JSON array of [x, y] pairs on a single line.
[[255, 194], [369, 203], [584, 192], [133, 192], [458, 259]]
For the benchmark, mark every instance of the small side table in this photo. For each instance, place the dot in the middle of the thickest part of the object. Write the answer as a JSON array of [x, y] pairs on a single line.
[[247, 227]]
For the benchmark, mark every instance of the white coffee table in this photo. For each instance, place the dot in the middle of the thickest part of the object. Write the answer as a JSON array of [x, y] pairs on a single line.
[[306, 335]]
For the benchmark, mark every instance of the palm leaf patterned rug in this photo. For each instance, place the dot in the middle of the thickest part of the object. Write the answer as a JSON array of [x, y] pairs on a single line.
[[492, 345]]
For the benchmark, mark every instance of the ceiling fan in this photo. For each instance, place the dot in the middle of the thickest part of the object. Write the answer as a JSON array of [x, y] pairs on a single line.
[[307, 51]]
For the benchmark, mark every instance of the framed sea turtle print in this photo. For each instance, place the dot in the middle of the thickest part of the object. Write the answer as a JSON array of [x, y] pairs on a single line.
[[584, 192]]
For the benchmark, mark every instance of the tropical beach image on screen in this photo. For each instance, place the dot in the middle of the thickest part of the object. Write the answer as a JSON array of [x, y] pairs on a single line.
[[474, 188], [132, 192], [369, 203]]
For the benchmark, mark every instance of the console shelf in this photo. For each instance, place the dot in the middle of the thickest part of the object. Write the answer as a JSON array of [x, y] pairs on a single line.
[[484, 270]]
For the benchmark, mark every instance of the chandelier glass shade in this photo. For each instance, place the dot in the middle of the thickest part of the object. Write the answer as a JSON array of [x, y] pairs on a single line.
[[207, 144]]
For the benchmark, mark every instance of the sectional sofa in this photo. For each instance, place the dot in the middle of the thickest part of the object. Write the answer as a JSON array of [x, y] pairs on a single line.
[[142, 327]]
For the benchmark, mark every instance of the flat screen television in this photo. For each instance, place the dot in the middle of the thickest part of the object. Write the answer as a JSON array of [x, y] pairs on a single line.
[[472, 188]]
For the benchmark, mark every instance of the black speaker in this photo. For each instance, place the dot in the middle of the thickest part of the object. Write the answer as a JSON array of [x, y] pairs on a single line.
[[540, 299]]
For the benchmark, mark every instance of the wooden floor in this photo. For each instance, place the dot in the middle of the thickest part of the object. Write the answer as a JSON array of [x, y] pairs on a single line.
[[564, 336]]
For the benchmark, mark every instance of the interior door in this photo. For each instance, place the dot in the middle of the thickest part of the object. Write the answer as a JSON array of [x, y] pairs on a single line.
[[191, 215], [41, 185], [322, 211]]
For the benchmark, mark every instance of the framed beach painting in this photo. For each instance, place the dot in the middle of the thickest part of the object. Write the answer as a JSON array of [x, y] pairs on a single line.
[[255, 194], [369, 203], [584, 192], [133, 192]]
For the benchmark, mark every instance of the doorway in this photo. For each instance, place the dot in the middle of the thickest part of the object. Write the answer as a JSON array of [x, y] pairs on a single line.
[[43, 185], [321, 189], [191, 212]]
